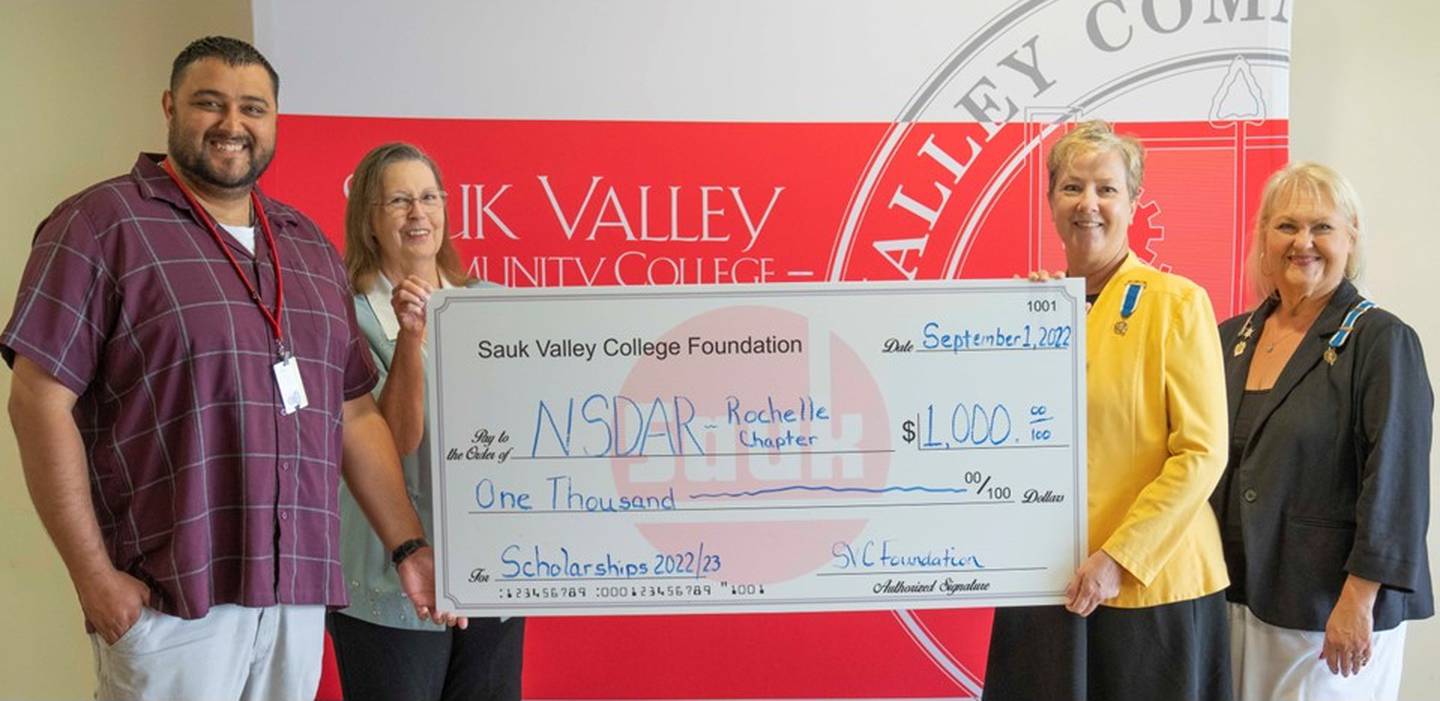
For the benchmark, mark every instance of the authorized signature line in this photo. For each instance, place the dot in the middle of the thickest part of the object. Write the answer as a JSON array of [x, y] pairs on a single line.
[[967, 569]]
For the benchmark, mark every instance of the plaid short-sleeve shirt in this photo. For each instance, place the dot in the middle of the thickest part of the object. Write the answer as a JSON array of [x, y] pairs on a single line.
[[202, 487]]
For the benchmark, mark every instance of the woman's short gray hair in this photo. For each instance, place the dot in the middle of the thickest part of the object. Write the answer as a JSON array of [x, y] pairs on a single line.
[[1092, 137]]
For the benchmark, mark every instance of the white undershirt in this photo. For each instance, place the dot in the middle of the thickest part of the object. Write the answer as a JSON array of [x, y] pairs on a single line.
[[244, 234]]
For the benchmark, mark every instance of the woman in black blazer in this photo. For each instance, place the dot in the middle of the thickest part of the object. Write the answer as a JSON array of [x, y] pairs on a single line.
[[1325, 501]]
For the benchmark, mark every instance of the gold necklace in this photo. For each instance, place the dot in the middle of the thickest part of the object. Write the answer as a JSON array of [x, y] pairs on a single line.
[[1281, 337]]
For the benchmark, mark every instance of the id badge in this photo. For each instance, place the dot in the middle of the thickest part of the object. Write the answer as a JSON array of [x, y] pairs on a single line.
[[292, 388]]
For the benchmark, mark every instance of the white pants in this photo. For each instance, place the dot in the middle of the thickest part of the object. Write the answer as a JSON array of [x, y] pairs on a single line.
[[1270, 663], [234, 653]]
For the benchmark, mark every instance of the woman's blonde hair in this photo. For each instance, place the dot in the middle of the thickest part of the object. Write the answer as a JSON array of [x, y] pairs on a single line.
[[362, 253], [1092, 137], [1322, 184]]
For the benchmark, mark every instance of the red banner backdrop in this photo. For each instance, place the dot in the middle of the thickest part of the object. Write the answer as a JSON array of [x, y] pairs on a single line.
[[558, 204], [656, 142], [554, 203]]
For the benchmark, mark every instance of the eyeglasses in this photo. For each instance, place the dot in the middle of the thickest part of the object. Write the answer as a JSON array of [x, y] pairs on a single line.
[[401, 204]]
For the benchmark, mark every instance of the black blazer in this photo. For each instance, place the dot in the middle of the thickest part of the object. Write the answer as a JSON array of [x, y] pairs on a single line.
[[1335, 476]]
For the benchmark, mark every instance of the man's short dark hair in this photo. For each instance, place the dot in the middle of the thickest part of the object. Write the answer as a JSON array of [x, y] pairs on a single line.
[[233, 52]]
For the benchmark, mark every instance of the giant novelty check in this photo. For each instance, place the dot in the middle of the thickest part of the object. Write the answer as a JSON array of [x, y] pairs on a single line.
[[757, 448]]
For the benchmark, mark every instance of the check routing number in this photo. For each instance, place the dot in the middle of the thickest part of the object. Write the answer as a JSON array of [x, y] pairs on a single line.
[[757, 448]]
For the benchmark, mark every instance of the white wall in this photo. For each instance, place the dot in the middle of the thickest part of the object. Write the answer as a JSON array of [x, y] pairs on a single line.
[[1365, 87]]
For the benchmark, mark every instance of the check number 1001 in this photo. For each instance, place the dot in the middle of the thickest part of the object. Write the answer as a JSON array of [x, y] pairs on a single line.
[[1040, 306]]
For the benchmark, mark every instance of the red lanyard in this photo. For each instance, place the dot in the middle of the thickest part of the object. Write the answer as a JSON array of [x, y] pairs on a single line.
[[272, 317]]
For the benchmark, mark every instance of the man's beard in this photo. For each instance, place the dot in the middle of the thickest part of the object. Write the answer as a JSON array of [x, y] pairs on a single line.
[[193, 162]]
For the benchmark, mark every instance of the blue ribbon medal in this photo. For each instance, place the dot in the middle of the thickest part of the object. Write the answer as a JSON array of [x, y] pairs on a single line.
[[1127, 307], [1346, 326]]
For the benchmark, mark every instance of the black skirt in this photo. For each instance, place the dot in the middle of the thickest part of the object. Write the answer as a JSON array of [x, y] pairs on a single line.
[[1174, 652]]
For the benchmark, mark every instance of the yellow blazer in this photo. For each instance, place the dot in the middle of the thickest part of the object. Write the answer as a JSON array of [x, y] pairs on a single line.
[[1158, 436]]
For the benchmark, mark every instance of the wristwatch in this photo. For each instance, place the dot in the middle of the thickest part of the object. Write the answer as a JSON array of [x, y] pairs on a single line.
[[406, 549]]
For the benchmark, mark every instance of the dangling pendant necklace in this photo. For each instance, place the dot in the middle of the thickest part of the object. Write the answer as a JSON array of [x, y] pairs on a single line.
[[1270, 348], [1278, 337]]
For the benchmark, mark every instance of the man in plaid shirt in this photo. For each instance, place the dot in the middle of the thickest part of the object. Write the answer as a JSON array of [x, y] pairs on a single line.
[[189, 388]]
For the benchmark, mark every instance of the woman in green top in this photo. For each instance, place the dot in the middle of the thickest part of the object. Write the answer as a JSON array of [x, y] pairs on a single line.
[[398, 251]]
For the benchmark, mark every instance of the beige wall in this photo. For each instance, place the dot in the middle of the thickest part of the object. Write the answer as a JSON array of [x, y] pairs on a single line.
[[83, 81]]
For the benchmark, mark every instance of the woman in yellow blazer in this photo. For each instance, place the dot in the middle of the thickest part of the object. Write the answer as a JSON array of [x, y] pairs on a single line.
[[1145, 613]]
